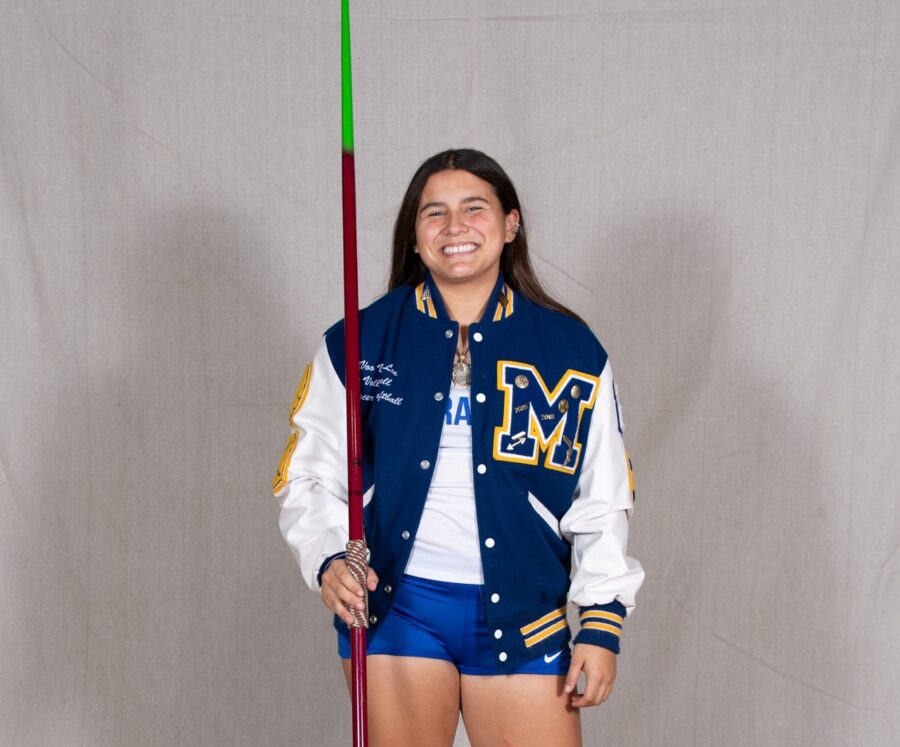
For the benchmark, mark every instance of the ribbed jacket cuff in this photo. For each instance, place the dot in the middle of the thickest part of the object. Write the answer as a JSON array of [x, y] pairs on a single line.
[[324, 567], [601, 625]]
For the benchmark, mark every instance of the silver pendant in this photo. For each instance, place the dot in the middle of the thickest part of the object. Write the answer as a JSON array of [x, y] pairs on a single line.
[[462, 373]]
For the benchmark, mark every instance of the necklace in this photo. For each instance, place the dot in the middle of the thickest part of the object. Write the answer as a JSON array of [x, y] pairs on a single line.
[[462, 368]]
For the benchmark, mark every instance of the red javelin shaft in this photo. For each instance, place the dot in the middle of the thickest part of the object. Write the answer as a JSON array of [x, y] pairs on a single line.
[[354, 436], [351, 378]]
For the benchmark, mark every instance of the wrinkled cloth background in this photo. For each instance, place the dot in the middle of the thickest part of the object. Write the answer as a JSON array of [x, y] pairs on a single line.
[[714, 186]]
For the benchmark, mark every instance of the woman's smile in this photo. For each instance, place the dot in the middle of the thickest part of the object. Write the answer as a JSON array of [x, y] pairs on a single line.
[[459, 249]]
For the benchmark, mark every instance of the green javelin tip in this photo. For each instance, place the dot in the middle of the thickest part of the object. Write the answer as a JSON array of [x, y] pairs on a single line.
[[346, 81]]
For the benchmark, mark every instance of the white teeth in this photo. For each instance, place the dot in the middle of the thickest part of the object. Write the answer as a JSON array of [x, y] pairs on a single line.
[[459, 249]]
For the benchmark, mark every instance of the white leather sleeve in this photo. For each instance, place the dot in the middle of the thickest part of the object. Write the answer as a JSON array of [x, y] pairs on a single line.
[[311, 484], [597, 523]]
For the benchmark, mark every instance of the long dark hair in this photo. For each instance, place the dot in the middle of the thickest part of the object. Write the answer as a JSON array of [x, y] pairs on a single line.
[[408, 269]]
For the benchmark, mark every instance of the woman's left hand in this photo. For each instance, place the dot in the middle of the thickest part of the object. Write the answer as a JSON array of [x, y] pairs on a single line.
[[599, 666]]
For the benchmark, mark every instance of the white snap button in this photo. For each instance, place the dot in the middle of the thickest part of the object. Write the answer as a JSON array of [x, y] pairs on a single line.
[[404, 534], [478, 337], [424, 464], [494, 597], [438, 396], [481, 469], [489, 542], [388, 589], [502, 656], [448, 334], [498, 633], [480, 397]]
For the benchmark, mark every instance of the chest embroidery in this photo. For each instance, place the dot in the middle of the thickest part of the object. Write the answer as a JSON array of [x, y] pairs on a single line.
[[377, 380]]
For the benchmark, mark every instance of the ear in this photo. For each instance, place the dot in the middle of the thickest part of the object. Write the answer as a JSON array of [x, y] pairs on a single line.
[[512, 225]]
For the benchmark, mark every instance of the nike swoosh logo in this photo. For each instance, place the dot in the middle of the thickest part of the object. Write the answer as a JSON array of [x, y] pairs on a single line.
[[548, 659]]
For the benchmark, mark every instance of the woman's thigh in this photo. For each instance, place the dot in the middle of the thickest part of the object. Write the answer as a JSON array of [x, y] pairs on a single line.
[[411, 700], [519, 709]]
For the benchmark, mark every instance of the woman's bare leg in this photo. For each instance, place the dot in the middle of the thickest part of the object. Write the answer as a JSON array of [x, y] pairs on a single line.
[[411, 701], [519, 709]]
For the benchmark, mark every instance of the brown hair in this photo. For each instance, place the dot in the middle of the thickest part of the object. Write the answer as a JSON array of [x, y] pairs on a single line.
[[407, 268]]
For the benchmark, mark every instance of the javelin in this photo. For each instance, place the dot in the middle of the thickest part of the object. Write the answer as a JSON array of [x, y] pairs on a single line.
[[356, 553]]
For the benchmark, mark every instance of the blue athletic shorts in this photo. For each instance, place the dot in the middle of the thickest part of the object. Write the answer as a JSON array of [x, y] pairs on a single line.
[[442, 620]]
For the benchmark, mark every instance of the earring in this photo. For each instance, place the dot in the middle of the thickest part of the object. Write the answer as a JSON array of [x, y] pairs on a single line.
[[415, 249]]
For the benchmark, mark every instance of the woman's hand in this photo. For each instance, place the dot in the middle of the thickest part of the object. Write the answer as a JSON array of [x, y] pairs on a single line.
[[599, 666], [340, 589]]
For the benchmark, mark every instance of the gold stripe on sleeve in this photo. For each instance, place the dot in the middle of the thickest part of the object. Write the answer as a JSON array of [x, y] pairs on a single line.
[[601, 614], [302, 391], [281, 474], [601, 626]]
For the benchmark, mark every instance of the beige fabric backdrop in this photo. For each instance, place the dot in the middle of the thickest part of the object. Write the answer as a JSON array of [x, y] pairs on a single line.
[[714, 186]]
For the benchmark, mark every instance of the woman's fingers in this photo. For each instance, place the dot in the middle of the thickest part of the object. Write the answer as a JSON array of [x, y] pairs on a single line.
[[572, 675], [335, 605], [340, 589], [338, 576], [593, 684], [599, 666], [339, 601]]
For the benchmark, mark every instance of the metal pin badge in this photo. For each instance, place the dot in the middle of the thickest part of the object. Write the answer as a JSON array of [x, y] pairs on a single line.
[[576, 391], [521, 381], [563, 405]]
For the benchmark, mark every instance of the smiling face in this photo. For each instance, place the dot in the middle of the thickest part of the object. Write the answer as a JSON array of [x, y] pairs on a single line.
[[461, 230]]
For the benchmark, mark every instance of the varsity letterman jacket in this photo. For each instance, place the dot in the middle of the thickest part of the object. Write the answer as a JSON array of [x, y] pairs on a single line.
[[553, 481]]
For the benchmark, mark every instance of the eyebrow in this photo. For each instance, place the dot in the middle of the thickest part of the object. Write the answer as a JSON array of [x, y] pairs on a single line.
[[465, 200]]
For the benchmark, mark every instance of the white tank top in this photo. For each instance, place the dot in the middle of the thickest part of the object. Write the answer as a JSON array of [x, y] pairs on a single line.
[[446, 546]]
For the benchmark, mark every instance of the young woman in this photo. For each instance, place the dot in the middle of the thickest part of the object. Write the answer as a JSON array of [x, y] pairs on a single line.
[[498, 485]]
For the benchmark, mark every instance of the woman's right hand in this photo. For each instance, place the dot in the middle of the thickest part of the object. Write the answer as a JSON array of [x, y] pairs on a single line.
[[340, 589]]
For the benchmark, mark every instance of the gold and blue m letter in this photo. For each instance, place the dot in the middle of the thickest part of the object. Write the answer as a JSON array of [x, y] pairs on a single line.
[[537, 419]]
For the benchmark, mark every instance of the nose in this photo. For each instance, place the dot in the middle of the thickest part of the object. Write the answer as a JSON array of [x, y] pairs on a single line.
[[455, 223]]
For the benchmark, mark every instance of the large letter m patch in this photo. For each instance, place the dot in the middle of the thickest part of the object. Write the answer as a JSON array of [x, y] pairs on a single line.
[[536, 419]]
